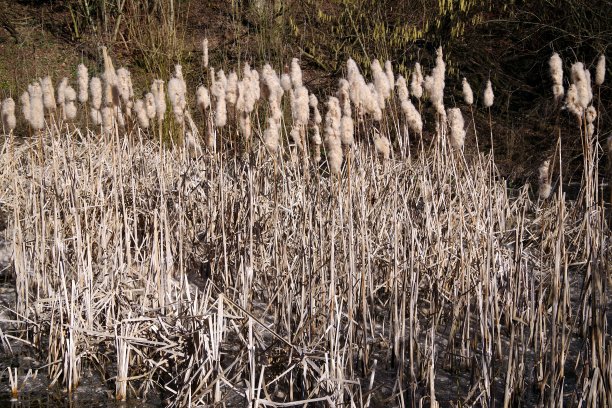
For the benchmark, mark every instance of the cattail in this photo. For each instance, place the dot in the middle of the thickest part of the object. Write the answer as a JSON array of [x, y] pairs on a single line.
[[347, 131], [545, 187], [231, 91], [95, 89], [468, 95], [83, 81], [457, 128], [579, 78], [48, 93], [157, 89], [299, 106], [110, 88], [382, 145], [149, 103], [416, 83], [285, 82], [203, 98], [389, 74], [37, 113], [96, 116], [218, 91], [70, 109], [141, 114], [8, 115], [271, 136], [176, 95], [381, 82], [434, 84], [332, 135], [316, 141], [572, 101], [402, 89], [314, 104], [488, 95], [107, 119], [25, 105], [413, 117], [556, 73], [61, 94], [590, 116], [205, 53], [124, 85], [600, 70], [296, 73]]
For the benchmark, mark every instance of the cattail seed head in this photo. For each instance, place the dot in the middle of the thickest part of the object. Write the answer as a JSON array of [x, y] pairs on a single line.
[[468, 95], [600, 70], [157, 89], [271, 136], [296, 73], [48, 94], [332, 135], [141, 114], [107, 119], [488, 95], [416, 83], [37, 114], [413, 117], [96, 116], [556, 74], [402, 89], [544, 188], [203, 98], [9, 121], [205, 53], [25, 105], [572, 101], [83, 81], [389, 73], [457, 128], [149, 102], [231, 91], [579, 78], [382, 146], [95, 90], [285, 81]]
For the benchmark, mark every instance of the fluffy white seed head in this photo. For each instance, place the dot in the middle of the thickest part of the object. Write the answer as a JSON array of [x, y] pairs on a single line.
[[314, 105], [107, 119], [9, 121], [285, 82], [332, 135], [591, 114], [579, 78], [544, 188], [413, 117], [271, 136], [160, 99], [416, 83], [231, 91], [203, 98], [556, 74], [150, 108], [61, 91], [382, 145], [25, 105], [468, 95], [572, 101], [96, 116], [296, 73], [37, 114], [389, 73], [48, 93], [95, 90], [124, 85], [344, 97], [205, 53], [299, 106], [347, 131], [70, 110], [457, 128], [83, 81], [141, 114], [381, 82], [600, 70], [488, 95], [402, 89]]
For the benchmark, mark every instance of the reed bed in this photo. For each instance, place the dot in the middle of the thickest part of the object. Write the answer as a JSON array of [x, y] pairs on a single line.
[[234, 273]]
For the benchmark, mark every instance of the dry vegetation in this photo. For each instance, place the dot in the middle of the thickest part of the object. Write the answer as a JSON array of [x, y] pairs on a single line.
[[233, 245]]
